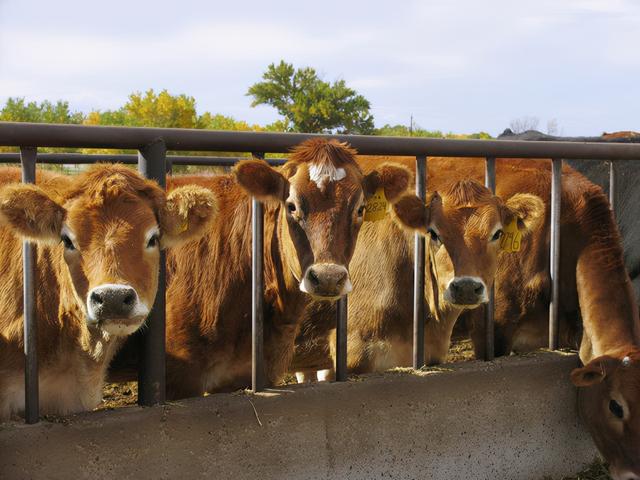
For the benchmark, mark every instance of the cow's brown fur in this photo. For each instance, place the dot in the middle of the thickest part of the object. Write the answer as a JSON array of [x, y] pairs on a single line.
[[593, 276], [107, 214], [209, 294]]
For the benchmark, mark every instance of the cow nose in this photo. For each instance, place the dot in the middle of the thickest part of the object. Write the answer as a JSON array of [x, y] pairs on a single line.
[[111, 301], [466, 291], [326, 280]]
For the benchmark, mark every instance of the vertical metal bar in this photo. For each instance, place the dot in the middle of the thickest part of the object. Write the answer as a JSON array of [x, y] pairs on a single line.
[[554, 252], [489, 309], [28, 156], [341, 339], [418, 271], [257, 296], [258, 381], [612, 186], [152, 368]]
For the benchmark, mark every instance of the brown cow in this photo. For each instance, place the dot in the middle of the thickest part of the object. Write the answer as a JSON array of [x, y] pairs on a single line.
[[598, 309], [314, 207], [464, 223], [99, 235]]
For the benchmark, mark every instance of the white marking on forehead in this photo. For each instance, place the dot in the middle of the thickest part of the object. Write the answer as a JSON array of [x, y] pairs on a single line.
[[325, 173]]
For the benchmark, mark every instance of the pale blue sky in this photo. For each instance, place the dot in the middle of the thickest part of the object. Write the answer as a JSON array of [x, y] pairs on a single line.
[[459, 66]]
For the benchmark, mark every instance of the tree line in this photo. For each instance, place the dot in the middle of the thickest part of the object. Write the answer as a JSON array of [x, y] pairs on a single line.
[[305, 102]]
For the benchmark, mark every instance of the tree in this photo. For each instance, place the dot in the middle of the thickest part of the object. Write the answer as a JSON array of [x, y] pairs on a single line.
[[523, 124], [17, 110], [310, 104]]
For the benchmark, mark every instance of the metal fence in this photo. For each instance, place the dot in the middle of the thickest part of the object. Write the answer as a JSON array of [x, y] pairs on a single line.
[[153, 162]]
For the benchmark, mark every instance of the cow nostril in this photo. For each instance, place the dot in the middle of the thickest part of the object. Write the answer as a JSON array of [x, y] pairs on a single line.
[[313, 277], [96, 298], [479, 289], [129, 299]]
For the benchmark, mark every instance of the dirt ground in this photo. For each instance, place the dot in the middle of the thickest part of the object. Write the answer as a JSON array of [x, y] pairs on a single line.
[[121, 394]]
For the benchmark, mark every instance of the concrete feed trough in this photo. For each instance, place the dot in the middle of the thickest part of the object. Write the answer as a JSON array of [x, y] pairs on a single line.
[[512, 418]]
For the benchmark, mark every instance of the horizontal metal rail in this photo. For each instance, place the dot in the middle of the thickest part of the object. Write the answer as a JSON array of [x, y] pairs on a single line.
[[152, 144], [89, 136], [91, 158]]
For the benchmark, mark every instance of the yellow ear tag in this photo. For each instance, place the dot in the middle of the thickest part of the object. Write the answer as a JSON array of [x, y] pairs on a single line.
[[511, 238], [376, 207]]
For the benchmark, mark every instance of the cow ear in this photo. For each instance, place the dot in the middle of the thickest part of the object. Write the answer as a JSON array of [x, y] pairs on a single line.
[[528, 209], [260, 180], [414, 214], [392, 177], [31, 213], [592, 373], [411, 213], [186, 214]]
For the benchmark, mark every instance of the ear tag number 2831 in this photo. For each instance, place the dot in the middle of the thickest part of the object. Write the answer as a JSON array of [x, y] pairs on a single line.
[[376, 207], [511, 238]]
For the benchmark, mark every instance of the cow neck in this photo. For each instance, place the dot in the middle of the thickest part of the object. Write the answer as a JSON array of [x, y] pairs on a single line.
[[609, 314]]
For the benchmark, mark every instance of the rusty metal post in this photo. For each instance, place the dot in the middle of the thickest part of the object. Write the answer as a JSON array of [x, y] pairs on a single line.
[[152, 368], [418, 270], [489, 309], [341, 339], [554, 252], [28, 158]]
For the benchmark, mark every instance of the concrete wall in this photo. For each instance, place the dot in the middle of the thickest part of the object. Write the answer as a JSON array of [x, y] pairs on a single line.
[[510, 419]]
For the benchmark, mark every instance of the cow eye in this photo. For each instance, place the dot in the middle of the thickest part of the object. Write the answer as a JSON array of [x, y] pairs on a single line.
[[497, 235], [616, 409], [153, 241], [291, 207], [434, 236], [68, 244], [361, 211]]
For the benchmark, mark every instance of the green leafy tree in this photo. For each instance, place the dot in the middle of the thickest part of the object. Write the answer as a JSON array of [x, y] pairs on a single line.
[[310, 104], [17, 110]]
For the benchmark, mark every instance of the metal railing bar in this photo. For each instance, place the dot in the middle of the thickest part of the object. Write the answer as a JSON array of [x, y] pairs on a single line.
[[152, 369], [612, 186], [341, 339], [554, 252], [258, 381], [419, 271], [29, 264], [489, 325], [90, 158], [55, 135]]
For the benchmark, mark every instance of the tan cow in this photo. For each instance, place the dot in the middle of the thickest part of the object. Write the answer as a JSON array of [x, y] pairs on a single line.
[[598, 309], [314, 207], [99, 235], [464, 224]]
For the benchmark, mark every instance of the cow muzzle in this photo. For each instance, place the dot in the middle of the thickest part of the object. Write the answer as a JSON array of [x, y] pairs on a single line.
[[116, 308], [326, 281], [466, 292]]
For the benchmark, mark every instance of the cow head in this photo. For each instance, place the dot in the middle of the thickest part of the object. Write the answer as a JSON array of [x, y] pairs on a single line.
[[111, 224], [609, 403], [464, 224], [322, 194]]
